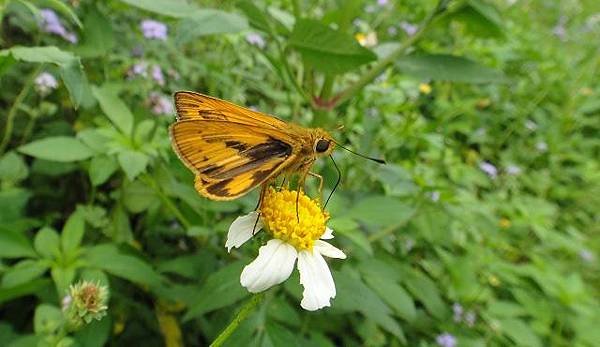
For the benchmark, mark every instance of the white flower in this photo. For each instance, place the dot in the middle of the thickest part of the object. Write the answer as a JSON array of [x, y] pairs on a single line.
[[276, 259]]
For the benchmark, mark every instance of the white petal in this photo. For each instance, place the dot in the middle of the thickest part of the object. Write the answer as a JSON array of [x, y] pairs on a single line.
[[328, 234], [316, 279], [273, 265], [241, 230], [328, 250]]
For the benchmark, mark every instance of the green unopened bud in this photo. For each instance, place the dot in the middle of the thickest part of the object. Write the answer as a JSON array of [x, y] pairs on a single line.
[[85, 302]]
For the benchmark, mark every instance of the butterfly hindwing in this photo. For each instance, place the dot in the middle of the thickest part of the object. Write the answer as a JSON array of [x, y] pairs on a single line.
[[191, 105], [230, 159]]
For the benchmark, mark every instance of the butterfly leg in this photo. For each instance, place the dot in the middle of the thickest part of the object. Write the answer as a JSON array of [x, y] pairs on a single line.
[[320, 178], [263, 191]]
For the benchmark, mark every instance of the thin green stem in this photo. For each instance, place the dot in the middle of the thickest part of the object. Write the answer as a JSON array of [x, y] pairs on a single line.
[[167, 201], [381, 65], [8, 129], [239, 317]]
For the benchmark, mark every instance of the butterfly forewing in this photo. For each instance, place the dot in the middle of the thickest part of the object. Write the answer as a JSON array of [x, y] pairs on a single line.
[[230, 158], [191, 105]]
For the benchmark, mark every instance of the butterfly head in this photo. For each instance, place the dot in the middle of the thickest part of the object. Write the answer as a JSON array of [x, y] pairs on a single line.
[[323, 143]]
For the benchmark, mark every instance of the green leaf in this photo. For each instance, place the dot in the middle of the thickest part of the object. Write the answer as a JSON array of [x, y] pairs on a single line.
[[354, 295], [77, 84], [279, 335], [443, 67], [114, 108], [13, 244], [98, 35], [137, 197], [505, 309], [13, 168], [47, 319], [94, 334], [62, 277], [47, 243], [72, 232], [394, 295], [424, 289], [101, 168], [33, 287], [46, 54], [255, 15], [58, 148], [349, 228], [23, 272], [520, 332], [381, 210], [133, 163], [12, 203], [172, 8], [226, 282], [114, 261], [480, 18], [328, 50], [209, 22]]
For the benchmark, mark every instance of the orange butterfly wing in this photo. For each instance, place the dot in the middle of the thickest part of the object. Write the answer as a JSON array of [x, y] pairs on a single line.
[[230, 158], [192, 105]]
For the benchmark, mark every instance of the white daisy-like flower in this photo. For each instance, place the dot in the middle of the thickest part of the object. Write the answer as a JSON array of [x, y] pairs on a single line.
[[293, 239]]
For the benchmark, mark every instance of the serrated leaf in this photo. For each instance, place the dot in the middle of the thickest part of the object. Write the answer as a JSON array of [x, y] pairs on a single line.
[[58, 148], [328, 50]]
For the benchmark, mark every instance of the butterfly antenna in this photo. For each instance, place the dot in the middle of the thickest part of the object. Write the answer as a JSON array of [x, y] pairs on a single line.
[[336, 183], [380, 161]]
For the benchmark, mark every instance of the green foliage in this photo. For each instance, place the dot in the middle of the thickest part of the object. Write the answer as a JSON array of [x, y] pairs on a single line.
[[482, 224]]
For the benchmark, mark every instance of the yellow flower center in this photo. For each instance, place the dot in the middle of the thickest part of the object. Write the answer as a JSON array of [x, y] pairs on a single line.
[[278, 212]]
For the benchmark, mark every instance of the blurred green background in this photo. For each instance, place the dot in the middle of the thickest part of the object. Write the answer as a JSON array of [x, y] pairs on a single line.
[[482, 229]]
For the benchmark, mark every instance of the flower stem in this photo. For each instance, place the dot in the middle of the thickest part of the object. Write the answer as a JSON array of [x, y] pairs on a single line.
[[8, 129], [240, 317], [381, 65]]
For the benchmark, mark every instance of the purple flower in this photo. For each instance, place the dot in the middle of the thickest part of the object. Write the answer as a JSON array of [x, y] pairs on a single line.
[[152, 29], [559, 29], [586, 255], [51, 24], [382, 2], [392, 31], [489, 169], [45, 83], [409, 243], [160, 104], [138, 69], [409, 29], [513, 170], [435, 196], [470, 318], [457, 309], [256, 40], [446, 340], [157, 75]]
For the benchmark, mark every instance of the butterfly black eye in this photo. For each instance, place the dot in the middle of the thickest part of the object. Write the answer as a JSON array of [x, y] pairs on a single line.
[[322, 146]]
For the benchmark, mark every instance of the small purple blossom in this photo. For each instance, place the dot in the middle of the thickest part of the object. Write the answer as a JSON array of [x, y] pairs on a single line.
[[45, 83], [157, 75], [51, 24], [489, 169], [138, 69], [160, 104], [435, 196], [409, 244], [513, 170], [382, 2], [559, 29], [457, 311], [256, 40], [446, 340], [586, 255], [152, 29], [392, 31], [409, 28], [470, 318]]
